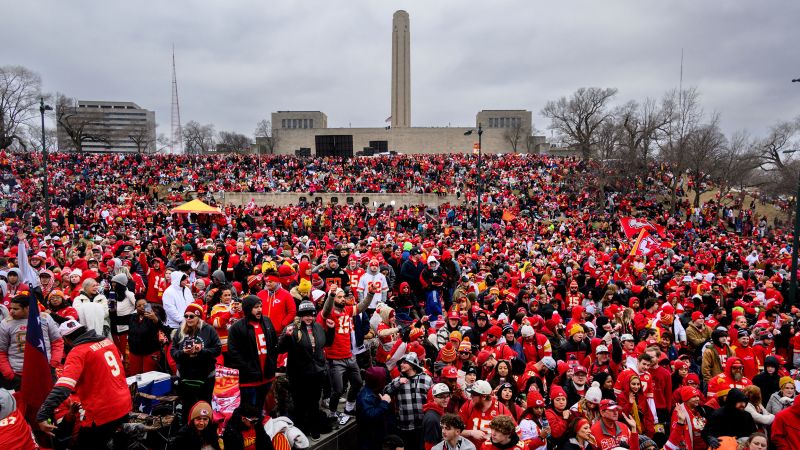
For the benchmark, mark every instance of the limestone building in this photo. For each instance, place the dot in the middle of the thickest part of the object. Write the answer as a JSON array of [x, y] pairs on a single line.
[[307, 132]]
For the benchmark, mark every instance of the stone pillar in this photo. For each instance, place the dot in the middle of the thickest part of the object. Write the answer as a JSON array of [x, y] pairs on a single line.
[[401, 70]]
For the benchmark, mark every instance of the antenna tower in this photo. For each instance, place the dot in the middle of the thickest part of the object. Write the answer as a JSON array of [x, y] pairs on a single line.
[[177, 139]]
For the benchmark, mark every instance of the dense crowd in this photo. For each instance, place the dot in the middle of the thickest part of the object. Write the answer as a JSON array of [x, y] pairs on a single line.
[[549, 330]]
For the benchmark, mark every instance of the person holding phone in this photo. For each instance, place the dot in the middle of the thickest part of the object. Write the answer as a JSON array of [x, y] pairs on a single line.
[[143, 343], [223, 314]]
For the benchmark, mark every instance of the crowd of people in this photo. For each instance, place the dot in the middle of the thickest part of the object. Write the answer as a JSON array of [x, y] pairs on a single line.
[[546, 329]]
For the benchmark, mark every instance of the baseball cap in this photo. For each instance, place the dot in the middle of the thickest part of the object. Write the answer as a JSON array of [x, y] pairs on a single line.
[[549, 362], [626, 337], [580, 369], [449, 372], [439, 389], [481, 387], [601, 349], [69, 326], [608, 405]]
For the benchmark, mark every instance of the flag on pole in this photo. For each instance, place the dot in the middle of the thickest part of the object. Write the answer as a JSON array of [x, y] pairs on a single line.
[[631, 227], [388, 119], [645, 244], [36, 379]]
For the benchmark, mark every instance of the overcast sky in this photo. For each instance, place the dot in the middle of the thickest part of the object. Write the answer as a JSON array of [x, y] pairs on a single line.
[[238, 60]]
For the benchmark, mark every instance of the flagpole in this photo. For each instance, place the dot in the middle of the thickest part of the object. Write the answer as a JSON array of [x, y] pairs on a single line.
[[638, 241]]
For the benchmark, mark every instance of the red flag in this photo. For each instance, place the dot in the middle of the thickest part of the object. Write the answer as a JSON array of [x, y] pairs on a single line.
[[631, 227], [645, 244], [508, 215], [36, 378]]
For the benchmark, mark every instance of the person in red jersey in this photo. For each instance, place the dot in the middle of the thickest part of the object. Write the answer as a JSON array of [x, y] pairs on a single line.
[[15, 433], [504, 436], [93, 370], [478, 413], [609, 432]]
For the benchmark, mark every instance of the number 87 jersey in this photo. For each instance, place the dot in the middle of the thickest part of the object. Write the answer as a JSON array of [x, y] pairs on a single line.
[[94, 371]]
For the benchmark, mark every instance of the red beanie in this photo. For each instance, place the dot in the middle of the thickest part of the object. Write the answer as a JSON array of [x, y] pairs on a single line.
[[494, 330], [557, 391], [534, 400], [196, 309]]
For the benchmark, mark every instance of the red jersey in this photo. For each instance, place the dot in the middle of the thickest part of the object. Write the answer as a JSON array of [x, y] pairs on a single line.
[[340, 349], [749, 359], [479, 420], [645, 378], [93, 370], [608, 438], [15, 433], [355, 277], [574, 300]]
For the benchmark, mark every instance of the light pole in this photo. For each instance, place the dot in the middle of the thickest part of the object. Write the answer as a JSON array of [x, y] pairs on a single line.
[[480, 179], [795, 238], [45, 188]]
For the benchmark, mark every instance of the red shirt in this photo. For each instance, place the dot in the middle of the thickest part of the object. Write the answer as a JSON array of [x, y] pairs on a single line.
[[645, 378], [608, 438], [340, 349], [479, 420], [94, 371], [749, 360], [15, 433]]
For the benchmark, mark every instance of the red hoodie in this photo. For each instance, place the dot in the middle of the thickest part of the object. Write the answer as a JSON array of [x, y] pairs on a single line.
[[786, 428]]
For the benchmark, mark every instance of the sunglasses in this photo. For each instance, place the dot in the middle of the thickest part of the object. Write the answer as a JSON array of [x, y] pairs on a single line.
[[189, 316]]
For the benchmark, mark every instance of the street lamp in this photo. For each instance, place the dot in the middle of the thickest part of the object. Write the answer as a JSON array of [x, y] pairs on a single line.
[[45, 188], [480, 178], [793, 282], [796, 80]]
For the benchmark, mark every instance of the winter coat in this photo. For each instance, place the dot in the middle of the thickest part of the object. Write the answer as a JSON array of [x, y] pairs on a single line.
[[302, 359], [143, 335], [189, 439], [197, 366], [775, 405], [243, 351], [279, 306], [730, 421], [93, 312], [431, 430], [711, 365], [374, 416], [768, 383], [786, 428], [175, 300]]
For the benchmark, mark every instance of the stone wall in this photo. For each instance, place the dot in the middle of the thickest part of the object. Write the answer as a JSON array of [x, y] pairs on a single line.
[[293, 198], [411, 140]]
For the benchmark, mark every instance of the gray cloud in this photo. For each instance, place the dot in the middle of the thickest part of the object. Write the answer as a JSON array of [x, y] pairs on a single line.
[[240, 60]]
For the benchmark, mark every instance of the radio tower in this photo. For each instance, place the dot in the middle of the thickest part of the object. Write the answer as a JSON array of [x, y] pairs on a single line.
[[177, 139]]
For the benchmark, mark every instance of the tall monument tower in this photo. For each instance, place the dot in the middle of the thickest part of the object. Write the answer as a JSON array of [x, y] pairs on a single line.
[[401, 70]]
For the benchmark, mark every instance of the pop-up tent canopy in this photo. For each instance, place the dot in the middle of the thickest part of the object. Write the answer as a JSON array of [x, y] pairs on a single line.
[[195, 207]]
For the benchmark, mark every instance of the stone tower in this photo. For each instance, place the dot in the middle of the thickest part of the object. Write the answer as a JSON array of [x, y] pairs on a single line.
[[401, 70]]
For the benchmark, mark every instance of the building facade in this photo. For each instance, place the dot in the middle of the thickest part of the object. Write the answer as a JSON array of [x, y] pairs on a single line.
[[119, 127]]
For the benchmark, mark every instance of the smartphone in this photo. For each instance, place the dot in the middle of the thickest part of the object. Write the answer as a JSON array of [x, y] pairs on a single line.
[[188, 343], [148, 307]]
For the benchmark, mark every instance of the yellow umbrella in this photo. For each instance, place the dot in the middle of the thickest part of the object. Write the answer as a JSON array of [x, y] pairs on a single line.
[[195, 207]]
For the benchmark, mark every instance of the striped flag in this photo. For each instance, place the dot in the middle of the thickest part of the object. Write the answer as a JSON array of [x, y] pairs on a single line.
[[36, 378]]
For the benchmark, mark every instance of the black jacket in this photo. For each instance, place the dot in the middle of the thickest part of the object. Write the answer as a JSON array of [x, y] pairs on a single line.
[[302, 359], [729, 421], [243, 353], [198, 366], [143, 335], [233, 439], [188, 438], [768, 383]]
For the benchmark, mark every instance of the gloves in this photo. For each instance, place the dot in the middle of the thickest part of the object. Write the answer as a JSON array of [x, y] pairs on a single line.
[[713, 442]]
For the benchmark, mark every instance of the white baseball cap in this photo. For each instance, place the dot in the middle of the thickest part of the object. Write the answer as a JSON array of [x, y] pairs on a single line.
[[439, 389], [601, 349], [626, 337], [68, 327], [481, 387]]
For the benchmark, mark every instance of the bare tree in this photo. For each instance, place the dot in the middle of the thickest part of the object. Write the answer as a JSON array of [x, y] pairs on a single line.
[[782, 136], [267, 139], [20, 90], [33, 138], [81, 125], [640, 126], [517, 134], [230, 141], [736, 165], [163, 142], [198, 138], [684, 113], [707, 143], [143, 137], [579, 117]]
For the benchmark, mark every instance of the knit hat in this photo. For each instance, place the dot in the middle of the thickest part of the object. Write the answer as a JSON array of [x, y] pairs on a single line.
[[527, 331], [534, 400], [304, 288], [447, 353], [455, 336], [646, 443], [594, 394], [120, 278], [465, 345], [495, 331], [200, 409], [483, 356], [415, 333], [784, 380], [687, 392], [306, 308], [194, 308], [557, 391], [574, 329], [697, 315], [253, 279]]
